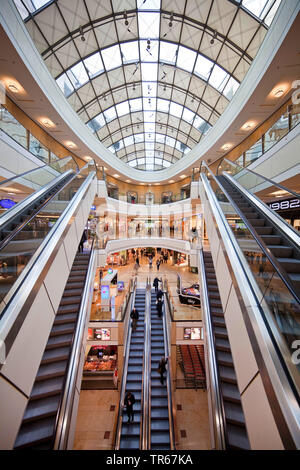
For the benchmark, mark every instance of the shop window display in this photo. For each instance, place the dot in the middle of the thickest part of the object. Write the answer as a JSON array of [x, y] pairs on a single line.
[[100, 359]]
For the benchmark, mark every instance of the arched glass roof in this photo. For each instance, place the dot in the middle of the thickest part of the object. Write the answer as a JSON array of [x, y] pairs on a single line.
[[148, 77]]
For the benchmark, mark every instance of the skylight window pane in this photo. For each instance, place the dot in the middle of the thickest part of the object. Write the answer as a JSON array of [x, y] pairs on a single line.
[[110, 114], [186, 58], [22, 10], [231, 88], [150, 154], [272, 13], [112, 57], [188, 115], [176, 109], [163, 105], [149, 104], [77, 75], [96, 123], [149, 55], [258, 7], [203, 67], [94, 65], [170, 141], [218, 78], [149, 116], [166, 164], [122, 108], [149, 146], [160, 138], [149, 89], [136, 105], [65, 85], [139, 138], [148, 5], [149, 137], [158, 161], [149, 72], [168, 52], [112, 149], [149, 25], [130, 51], [133, 163], [141, 161], [128, 141]]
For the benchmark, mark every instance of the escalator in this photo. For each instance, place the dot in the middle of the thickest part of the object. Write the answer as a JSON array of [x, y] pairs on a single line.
[[33, 189], [38, 427], [131, 432], [24, 234], [160, 426], [233, 416], [271, 236]]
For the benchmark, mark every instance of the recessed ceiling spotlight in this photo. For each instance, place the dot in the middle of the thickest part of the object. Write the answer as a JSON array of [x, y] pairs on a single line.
[[182, 176], [12, 87], [248, 125], [128, 181], [226, 147], [87, 158], [116, 175], [279, 93], [171, 181], [47, 122], [70, 144], [279, 90]]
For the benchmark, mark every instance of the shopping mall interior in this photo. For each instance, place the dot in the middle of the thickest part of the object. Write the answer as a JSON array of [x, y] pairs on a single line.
[[149, 225]]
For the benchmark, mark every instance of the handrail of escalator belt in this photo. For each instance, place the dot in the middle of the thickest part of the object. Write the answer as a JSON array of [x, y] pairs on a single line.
[[289, 231], [21, 175], [36, 266], [124, 375], [63, 418], [278, 185], [271, 342], [282, 273], [9, 215], [218, 412], [146, 396], [169, 380]]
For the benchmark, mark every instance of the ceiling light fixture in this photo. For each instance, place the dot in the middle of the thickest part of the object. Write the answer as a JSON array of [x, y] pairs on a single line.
[[47, 122], [278, 93], [12, 87], [212, 41], [116, 175], [70, 144], [248, 125], [81, 33], [226, 147]]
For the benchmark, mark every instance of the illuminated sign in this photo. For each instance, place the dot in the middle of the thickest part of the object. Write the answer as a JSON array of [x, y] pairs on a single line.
[[7, 203], [110, 271], [120, 285], [193, 333], [285, 205], [104, 292]]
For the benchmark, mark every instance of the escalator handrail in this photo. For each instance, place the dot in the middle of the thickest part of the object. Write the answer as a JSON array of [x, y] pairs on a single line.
[[169, 379], [35, 267], [276, 265], [64, 413], [278, 185], [124, 375], [218, 412], [273, 349], [146, 395], [288, 230]]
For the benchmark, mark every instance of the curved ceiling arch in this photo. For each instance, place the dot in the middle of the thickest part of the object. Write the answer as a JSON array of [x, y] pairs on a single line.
[[192, 48]]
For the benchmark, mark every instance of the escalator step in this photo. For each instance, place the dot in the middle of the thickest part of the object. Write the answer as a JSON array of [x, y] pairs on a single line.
[[48, 371], [160, 425], [35, 432], [237, 437], [47, 388], [59, 341], [57, 354], [230, 392], [42, 408]]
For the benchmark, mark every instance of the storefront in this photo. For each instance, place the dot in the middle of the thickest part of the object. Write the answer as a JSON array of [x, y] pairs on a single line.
[[288, 209]]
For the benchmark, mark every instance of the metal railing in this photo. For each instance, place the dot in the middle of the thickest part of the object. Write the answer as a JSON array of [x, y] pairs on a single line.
[[124, 376], [277, 360], [146, 387], [217, 408], [64, 414]]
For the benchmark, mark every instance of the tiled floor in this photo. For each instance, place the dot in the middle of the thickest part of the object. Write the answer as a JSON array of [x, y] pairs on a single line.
[[193, 419], [95, 421]]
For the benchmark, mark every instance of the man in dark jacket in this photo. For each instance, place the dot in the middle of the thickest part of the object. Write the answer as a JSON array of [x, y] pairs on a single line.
[[159, 294], [134, 316], [159, 305], [155, 284], [129, 401], [162, 368]]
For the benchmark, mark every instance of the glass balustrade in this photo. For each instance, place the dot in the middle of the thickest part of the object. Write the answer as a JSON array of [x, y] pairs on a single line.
[[15, 256]]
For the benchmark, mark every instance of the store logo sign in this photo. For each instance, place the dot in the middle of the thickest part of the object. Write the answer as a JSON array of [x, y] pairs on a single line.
[[285, 205]]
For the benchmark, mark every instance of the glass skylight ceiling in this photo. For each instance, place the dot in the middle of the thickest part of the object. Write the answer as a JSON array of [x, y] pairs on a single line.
[[148, 77]]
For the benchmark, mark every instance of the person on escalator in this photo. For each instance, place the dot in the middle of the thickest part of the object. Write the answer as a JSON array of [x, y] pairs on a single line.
[[134, 316], [83, 239], [129, 402], [162, 368], [159, 294], [155, 284], [159, 305]]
